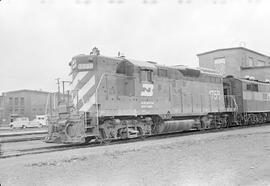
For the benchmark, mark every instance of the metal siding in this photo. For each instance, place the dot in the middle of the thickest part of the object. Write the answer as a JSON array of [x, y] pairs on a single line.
[[179, 97], [251, 101]]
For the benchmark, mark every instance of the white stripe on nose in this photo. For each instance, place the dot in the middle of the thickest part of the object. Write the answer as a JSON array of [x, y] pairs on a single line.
[[77, 79], [86, 107], [86, 87]]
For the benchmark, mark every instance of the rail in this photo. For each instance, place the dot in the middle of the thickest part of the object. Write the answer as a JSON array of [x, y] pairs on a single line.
[[64, 147]]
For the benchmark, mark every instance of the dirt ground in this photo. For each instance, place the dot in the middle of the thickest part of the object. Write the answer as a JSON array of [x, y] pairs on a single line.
[[238, 157]]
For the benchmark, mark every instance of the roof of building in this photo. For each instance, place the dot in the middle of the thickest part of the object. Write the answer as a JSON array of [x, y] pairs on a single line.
[[26, 90], [201, 69], [255, 67], [253, 81], [234, 48]]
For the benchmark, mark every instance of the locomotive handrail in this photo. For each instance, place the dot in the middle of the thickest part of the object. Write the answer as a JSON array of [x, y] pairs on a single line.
[[96, 102], [234, 102]]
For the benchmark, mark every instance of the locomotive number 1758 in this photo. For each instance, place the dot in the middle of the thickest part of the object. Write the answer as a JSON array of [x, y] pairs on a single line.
[[214, 94]]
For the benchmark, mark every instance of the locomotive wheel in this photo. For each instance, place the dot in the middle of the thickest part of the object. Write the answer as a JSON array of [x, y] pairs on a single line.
[[141, 133], [221, 122], [246, 119], [208, 122], [122, 133], [104, 139], [224, 122], [250, 121], [157, 121], [102, 134], [217, 123], [260, 119], [264, 118], [253, 119]]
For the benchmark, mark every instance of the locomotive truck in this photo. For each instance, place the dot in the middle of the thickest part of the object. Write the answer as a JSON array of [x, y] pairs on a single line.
[[118, 98]]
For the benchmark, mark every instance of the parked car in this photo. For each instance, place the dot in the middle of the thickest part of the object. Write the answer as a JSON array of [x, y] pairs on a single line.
[[42, 119], [23, 122]]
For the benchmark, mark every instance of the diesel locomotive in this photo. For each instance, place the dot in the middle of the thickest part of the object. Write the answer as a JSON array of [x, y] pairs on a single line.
[[118, 98]]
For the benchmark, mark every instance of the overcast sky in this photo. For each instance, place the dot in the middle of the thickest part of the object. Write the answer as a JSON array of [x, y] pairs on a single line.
[[39, 37]]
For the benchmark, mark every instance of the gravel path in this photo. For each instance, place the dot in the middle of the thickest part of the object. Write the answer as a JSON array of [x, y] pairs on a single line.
[[238, 157]]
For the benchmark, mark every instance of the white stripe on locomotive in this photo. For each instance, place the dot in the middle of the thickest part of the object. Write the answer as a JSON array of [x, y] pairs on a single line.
[[86, 87], [86, 107], [80, 93], [77, 79]]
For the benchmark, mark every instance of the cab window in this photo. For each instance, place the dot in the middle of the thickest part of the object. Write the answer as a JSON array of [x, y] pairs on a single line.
[[252, 87], [146, 75]]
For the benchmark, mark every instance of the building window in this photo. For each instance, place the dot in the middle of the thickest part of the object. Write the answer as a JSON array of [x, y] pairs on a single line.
[[22, 101], [22, 111], [41, 111], [250, 62], [16, 101], [10, 101], [220, 65], [260, 63]]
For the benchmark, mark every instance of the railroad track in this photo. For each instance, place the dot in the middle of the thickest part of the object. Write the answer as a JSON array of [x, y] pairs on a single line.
[[10, 134], [63, 147], [22, 136]]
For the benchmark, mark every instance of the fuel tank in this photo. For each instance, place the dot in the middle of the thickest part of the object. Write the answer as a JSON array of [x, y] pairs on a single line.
[[177, 125]]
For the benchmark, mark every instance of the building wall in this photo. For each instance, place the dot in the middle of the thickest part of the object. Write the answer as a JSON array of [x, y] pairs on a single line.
[[233, 61], [24, 103], [238, 62], [27, 103], [1, 108], [259, 73], [38, 104], [257, 58]]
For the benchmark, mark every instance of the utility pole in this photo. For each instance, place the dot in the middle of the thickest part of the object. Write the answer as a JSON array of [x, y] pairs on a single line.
[[58, 90], [63, 84]]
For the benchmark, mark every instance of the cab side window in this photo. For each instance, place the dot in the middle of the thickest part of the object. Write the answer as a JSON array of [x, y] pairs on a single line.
[[147, 75], [252, 87]]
